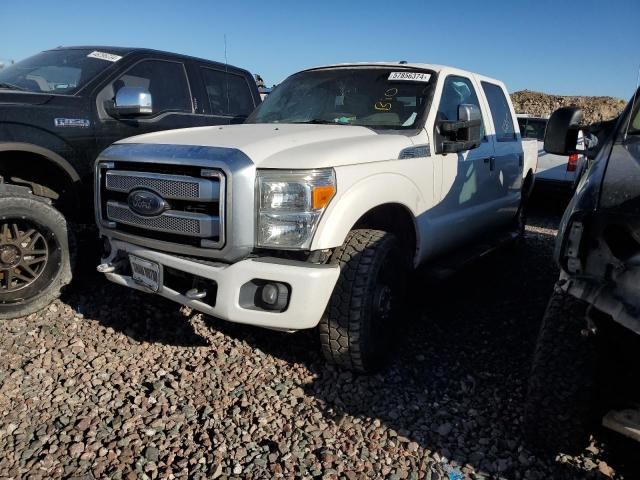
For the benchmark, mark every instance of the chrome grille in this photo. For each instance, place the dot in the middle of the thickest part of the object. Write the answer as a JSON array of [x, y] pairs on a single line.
[[176, 187], [177, 222]]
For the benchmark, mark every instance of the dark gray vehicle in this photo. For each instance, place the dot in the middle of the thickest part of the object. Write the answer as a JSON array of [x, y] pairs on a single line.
[[585, 369]]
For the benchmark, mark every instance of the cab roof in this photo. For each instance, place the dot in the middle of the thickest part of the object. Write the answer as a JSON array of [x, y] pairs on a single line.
[[410, 66], [122, 51]]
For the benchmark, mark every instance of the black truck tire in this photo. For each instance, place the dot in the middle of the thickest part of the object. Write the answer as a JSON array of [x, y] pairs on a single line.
[[35, 256], [560, 405], [357, 328]]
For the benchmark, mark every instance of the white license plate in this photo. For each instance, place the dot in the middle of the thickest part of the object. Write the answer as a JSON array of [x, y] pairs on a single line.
[[145, 273]]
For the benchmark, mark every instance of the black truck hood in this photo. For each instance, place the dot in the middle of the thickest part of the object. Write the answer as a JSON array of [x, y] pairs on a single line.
[[13, 97]]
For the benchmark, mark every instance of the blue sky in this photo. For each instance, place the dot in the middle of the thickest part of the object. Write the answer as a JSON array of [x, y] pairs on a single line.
[[562, 47]]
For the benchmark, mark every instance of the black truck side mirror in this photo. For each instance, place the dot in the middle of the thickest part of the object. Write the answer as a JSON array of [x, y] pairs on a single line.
[[463, 134], [561, 134]]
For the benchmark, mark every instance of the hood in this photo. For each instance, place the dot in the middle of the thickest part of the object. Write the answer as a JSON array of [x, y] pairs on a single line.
[[290, 145], [13, 97]]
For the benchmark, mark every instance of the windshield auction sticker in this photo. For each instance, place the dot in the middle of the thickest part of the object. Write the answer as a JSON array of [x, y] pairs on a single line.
[[410, 76], [109, 57]]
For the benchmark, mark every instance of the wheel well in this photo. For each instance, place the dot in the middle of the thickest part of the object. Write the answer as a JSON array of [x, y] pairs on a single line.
[[392, 217], [42, 176]]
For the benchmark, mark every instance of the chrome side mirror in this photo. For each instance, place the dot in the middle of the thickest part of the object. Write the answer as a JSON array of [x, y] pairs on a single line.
[[132, 101], [467, 112]]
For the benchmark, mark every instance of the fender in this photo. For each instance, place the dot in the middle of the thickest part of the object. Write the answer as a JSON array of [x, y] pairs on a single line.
[[359, 198], [44, 152]]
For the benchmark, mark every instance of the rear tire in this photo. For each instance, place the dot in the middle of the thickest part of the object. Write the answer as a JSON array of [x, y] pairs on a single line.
[[35, 259], [560, 406], [357, 329]]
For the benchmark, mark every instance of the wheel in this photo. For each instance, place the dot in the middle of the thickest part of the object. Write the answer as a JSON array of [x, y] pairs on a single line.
[[560, 405], [357, 329], [35, 261]]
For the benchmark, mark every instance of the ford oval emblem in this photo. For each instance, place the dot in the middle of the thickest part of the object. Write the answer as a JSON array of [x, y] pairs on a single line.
[[146, 203]]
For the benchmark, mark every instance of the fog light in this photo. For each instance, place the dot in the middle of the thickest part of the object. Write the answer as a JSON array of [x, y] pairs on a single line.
[[274, 296]]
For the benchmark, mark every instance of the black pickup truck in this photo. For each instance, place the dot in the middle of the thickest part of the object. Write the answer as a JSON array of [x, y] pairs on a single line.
[[58, 110], [585, 371]]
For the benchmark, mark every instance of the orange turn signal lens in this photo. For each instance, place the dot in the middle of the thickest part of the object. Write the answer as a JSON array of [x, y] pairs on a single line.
[[322, 195]]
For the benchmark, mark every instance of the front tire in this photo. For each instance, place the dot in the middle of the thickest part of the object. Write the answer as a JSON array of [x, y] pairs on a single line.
[[35, 259], [357, 329], [560, 406]]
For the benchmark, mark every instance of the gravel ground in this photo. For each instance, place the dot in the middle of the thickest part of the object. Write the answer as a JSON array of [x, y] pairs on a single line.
[[113, 383]]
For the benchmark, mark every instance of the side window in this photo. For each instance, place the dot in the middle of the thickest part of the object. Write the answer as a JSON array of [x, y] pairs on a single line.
[[215, 84], [457, 91], [240, 99], [502, 119], [165, 81], [229, 94]]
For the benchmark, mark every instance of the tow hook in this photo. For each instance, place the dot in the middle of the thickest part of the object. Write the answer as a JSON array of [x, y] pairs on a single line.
[[109, 267], [195, 294]]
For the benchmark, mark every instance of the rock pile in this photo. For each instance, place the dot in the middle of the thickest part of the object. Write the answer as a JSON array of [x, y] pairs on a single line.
[[541, 104]]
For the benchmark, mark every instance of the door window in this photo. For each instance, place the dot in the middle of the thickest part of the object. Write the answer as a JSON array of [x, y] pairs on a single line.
[[229, 94], [165, 81], [500, 111], [457, 91]]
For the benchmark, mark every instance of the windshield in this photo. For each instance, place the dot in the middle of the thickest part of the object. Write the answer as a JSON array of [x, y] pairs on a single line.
[[55, 71], [370, 97]]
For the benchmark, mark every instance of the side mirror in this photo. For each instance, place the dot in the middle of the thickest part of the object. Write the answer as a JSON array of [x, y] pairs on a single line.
[[561, 135], [463, 134], [132, 101]]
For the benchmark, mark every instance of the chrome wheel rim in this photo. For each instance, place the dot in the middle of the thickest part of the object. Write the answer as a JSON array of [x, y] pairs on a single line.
[[24, 253]]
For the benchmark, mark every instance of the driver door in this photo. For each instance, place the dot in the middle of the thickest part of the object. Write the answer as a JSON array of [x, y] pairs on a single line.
[[167, 82], [464, 207]]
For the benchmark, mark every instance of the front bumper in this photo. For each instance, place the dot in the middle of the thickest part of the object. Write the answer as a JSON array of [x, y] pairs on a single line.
[[310, 285]]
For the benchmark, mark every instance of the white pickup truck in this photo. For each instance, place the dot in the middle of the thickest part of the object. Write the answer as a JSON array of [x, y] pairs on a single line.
[[553, 172], [313, 212]]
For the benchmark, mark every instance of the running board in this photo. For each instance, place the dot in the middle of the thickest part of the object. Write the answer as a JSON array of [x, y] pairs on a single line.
[[446, 266], [625, 422]]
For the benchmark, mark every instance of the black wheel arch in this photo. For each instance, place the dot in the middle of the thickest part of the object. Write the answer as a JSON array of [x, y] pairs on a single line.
[[45, 173]]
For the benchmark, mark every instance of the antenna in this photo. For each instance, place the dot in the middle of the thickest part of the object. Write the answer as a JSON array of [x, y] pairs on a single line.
[[633, 104], [226, 72]]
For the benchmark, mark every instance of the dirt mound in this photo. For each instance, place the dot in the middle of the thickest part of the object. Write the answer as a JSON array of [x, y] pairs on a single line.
[[541, 104]]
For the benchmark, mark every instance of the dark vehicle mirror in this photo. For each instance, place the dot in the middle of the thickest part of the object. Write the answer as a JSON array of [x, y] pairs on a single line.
[[561, 135], [132, 101], [463, 134]]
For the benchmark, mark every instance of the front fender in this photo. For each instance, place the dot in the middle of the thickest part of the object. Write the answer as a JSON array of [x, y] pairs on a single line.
[[357, 199], [43, 152]]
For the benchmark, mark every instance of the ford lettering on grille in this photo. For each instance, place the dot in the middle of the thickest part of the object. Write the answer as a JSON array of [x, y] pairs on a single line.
[[146, 203]]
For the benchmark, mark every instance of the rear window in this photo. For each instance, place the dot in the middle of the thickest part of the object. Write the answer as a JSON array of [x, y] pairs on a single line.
[[532, 128]]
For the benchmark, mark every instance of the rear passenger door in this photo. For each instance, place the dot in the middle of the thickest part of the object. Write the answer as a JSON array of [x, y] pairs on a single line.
[[506, 171], [227, 95]]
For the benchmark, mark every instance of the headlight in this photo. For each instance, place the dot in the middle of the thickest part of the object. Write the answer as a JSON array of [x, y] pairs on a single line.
[[290, 203]]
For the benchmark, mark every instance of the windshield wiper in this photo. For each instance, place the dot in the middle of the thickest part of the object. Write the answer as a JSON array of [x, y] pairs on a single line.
[[11, 86], [319, 121]]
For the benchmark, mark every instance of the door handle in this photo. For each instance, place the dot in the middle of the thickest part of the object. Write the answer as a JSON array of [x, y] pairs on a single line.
[[491, 161]]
